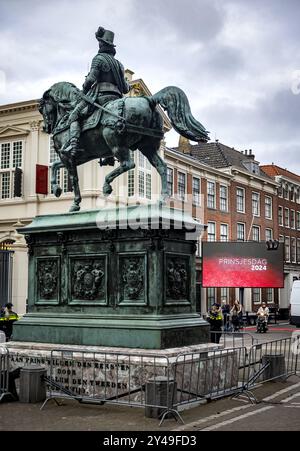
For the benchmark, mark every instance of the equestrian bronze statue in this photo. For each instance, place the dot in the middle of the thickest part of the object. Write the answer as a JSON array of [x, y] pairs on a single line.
[[100, 122]]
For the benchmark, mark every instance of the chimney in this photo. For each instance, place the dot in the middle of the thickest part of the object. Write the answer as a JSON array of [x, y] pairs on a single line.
[[246, 152], [185, 145], [251, 155]]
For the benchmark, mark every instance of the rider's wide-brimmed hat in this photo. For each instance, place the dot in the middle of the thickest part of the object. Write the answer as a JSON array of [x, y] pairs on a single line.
[[105, 36]]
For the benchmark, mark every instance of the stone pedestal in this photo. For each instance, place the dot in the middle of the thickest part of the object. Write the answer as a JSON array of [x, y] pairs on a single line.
[[116, 277]]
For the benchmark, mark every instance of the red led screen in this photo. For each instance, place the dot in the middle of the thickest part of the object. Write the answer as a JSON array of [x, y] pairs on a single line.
[[242, 265]]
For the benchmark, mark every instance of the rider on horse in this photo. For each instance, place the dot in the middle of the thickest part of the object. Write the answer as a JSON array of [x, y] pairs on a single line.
[[104, 83]]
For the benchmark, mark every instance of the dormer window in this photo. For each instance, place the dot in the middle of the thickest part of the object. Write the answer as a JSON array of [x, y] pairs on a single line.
[[252, 166]]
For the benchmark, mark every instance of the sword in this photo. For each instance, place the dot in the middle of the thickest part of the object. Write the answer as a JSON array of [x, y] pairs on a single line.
[[92, 102]]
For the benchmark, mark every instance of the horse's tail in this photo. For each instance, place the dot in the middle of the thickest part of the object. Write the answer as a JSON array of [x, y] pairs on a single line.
[[175, 102]]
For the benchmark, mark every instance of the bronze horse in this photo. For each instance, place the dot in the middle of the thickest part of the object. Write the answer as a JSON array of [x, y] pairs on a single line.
[[139, 127]]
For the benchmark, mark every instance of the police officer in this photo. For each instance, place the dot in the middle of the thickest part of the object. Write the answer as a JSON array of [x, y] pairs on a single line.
[[216, 322], [7, 319]]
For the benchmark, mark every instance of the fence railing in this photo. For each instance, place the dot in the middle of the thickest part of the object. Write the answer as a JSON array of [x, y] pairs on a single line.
[[132, 379], [233, 339], [209, 375], [4, 373], [162, 384], [273, 360]]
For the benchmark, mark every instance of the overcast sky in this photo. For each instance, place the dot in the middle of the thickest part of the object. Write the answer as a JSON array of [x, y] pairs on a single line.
[[237, 60]]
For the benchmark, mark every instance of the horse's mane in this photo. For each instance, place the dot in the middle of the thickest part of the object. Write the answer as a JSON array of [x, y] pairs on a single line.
[[63, 92]]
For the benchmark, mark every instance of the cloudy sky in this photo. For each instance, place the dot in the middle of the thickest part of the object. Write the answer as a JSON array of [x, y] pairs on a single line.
[[237, 60]]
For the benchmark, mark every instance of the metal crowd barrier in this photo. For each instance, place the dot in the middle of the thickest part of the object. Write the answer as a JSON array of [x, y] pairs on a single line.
[[165, 385], [136, 380], [233, 339], [4, 373], [211, 375], [273, 360]]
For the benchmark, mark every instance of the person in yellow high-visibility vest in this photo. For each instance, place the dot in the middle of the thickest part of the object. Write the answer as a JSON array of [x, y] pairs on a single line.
[[216, 322], [7, 319]]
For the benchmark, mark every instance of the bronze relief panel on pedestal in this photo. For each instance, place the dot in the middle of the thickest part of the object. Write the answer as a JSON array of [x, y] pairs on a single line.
[[177, 279], [132, 279], [48, 271], [88, 279]]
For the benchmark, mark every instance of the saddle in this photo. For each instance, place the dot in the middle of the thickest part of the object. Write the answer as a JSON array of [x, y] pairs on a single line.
[[92, 120]]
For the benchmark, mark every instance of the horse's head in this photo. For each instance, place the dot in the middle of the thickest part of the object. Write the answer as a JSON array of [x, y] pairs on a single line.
[[48, 110]]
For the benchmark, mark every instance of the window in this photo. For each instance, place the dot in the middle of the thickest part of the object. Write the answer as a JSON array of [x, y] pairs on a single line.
[[287, 249], [240, 200], [181, 186], [198, 245], [211, 297], [240, 232], [211, 195], [224, 294], [268, 207], [196, 191], [145, 177], [293, 219], [270, 295], [141, 184], [11, 156], [256, 233], [62, 174], [224, 232], [269, 234], [53, 154], [170, 181], [286, 217], [223, 198], [131, 183], [286, 192], [256, 295], [280, 216], [292, 194], [298, 250], [255, 204], [211, 231], [293, 250], [298, 220], [280, 192]]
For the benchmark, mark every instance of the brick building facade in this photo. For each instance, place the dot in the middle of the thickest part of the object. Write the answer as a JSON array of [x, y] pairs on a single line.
[[238, 203], [288, 219]]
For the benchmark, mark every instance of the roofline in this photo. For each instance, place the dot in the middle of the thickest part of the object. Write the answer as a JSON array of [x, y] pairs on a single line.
[[282, 175], [18, 107], [254, 176], [195, 162]]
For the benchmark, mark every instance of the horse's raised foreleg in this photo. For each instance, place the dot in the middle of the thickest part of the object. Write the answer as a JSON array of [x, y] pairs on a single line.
[[56, 166], [126, 164], [158, 163]]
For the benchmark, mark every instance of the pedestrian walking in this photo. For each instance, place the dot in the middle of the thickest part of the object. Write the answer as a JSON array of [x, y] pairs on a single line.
[[236, 314], [226, 315]]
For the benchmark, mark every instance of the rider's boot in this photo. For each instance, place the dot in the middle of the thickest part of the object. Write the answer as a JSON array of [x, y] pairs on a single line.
[[73, 148]]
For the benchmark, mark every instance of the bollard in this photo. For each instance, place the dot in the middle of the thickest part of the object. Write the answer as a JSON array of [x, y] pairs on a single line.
[[32, 384], [159, 396], [276, 369]]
